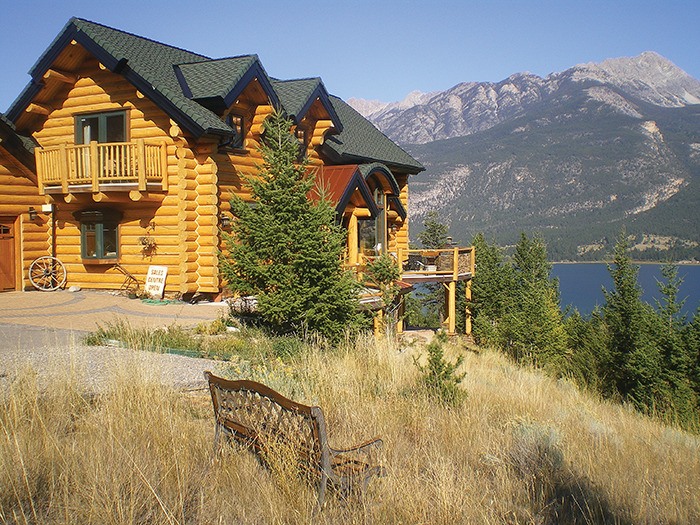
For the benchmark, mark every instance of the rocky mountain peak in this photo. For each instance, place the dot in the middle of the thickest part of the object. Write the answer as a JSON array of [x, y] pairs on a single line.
[[472, 107]]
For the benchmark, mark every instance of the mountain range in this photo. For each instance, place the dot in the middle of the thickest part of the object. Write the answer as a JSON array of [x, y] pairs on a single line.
[[576, 156]]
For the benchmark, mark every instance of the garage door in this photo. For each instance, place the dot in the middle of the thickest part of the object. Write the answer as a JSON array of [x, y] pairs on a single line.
[[7, 254]]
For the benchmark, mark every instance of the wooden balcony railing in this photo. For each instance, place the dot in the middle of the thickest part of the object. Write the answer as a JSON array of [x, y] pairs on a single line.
[[447, 264], [90, 167]]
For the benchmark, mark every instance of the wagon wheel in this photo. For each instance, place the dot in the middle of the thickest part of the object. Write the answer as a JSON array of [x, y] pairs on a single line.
[[47, 274]]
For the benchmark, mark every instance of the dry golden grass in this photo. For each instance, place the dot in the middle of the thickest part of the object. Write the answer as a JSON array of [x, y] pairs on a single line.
[[522, 448]]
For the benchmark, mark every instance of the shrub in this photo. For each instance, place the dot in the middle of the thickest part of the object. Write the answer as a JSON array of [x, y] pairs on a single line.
[[440, 377]]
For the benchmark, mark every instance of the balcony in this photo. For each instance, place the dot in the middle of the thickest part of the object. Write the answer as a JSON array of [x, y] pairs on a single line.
[[102, 167], [437, 266], [447, 266]]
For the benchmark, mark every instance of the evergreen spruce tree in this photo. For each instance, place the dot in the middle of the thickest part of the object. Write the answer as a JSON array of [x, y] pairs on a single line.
[[588, 347], [677, 398], [635, 363], [533, 323], [286, 249], [492, 291], [434, 234]]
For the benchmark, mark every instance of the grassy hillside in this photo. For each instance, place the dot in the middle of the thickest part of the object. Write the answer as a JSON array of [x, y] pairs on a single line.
[[521, 448]]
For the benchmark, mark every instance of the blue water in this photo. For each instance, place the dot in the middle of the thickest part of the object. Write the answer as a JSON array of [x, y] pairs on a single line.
[[581, 284]]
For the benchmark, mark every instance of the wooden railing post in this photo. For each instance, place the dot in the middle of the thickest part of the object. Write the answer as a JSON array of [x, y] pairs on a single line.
[[94, 167], [164, 165], [455, 263], [64, 167], [141, 160]]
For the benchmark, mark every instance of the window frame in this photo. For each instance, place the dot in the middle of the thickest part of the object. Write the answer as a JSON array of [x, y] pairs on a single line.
[[235, 121], [101, 220], [101, 117]]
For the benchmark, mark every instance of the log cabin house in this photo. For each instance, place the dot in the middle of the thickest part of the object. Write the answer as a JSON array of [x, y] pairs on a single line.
[[138, 147]]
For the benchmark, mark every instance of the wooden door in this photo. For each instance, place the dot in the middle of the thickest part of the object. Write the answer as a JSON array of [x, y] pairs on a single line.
[[7, 254]]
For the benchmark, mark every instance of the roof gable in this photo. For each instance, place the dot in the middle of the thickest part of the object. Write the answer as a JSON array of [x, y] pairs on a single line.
[[216, 84], [340, 182], [147, 64], [298, 95]]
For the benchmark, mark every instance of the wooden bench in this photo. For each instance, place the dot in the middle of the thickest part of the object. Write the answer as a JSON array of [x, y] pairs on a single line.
[[268, 423]]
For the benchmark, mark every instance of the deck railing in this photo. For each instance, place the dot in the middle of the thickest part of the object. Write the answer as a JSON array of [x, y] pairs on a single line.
[[456, 262], [93, 165]]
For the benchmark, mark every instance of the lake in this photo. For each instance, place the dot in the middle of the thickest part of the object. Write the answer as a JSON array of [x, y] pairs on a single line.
[[580, 284]]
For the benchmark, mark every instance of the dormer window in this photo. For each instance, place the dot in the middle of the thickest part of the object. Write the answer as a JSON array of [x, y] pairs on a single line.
[[236, 123]]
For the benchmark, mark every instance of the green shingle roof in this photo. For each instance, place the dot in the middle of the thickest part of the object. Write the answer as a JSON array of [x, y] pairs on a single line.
[[294, 94], [154, 63], [21, 147], [215, 78], [186, 85], [360, 141]]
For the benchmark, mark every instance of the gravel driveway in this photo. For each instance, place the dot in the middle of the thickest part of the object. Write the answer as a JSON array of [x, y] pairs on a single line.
[[32, 337], [61, 354]]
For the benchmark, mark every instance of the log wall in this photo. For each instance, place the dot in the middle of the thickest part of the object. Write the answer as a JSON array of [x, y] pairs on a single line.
[[157, 214], [17, 193]]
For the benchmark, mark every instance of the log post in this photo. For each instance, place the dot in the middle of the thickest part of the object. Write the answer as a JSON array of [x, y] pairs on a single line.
[[63, 167], [452, 308], [352, 240], [94, 167], [164, 165], [455, 264], [141, 161]]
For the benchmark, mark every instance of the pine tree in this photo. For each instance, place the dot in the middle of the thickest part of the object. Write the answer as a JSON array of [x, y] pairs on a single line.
[[588, 347], [677, 399], [434, 234], [635, 363], [492, 291], [431, 297], [286, 249], [533, 322]]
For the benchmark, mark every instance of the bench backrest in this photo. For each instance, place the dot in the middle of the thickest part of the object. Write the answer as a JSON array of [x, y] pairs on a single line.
[[258, 417]]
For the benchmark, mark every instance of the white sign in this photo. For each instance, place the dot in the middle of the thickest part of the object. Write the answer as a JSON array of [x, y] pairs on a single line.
[[155, 281]]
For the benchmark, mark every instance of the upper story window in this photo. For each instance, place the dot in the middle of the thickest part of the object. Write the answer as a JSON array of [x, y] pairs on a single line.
[[237, 124], [100, 127]]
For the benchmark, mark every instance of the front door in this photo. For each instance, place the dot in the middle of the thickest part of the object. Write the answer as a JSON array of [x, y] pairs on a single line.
[[7, 254]]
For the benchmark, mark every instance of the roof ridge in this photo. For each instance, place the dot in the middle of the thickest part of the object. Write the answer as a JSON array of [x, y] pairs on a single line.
[[297, 79], [78, 19], [251, 55]]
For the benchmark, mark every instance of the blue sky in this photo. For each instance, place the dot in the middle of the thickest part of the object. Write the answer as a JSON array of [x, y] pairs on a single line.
[[373, 49]]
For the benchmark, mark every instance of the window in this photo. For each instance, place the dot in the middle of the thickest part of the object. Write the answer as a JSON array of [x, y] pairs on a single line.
[[100, 127], [301, 135], [380, 200], [236, 123], [99, 233], [367, 237]]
